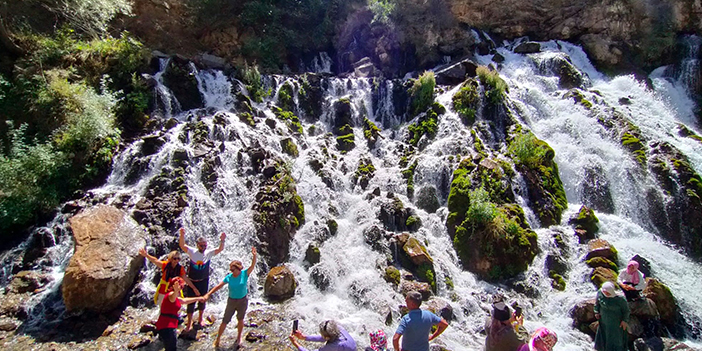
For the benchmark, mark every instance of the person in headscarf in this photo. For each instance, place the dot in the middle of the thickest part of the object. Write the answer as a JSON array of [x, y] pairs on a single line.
[[543, 339], [612, 311], [378, 341], [335, 337], [632, 281], [504, 330]]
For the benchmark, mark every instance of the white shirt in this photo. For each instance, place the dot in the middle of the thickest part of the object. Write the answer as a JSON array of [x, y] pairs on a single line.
[[624, 276]]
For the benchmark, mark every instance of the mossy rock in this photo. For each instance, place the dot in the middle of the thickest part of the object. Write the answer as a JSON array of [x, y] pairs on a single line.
[[600, 275], [364, 172], [467, 100], [664, 299], [291, 120], [557, 281], [247, 118], [289, 147], [332, 226], [585, 220], [392, 275], [180, 79], [342, 116], [601, 248], [635, 146], [409, 175], [313, 255], [285, 97], [579, 98], [602, 262], [371, 132], [345, 143], [426, 125]]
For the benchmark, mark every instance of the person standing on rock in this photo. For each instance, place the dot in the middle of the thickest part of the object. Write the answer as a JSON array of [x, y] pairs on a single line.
[[238, 301], [632, 281], [612, 311], [198, 271], [416, 325], [170, 268], [167, 322], [505, 330]]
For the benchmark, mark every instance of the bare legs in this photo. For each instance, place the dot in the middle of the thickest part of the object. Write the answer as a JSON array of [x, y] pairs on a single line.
[[223, 326]]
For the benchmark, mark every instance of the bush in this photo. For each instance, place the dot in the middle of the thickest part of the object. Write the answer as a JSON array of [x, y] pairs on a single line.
[[495, 87], [481, 211], [254, 83], [422, 92], [90, 16], [466, 101], [382, 9], [528, 150]]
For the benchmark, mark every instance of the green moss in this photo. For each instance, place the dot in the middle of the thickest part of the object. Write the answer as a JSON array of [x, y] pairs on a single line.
[[332, 226], [370, 131], [411, 221], [579, 98], [300, 209], [587, 220], [289, 147], [602, 262], [292, 121], [449, 282], [557, 281], [345, 142], [635, 146], [425, 273], [495, 87], [364, 172], [254, 83], [427, 125], [285, 97], [392, 275], [422, 93], [409, 175], [466, 101]]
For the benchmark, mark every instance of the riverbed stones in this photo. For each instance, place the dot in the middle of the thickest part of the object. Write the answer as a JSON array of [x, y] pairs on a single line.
[[27, 281], [280, 283], [106, 259]]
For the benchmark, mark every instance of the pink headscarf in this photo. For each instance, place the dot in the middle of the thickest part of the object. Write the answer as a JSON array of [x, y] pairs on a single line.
[[632, 269], [547, 337]]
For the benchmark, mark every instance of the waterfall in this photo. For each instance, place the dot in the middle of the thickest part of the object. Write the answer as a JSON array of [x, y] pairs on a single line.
[[357, 295]]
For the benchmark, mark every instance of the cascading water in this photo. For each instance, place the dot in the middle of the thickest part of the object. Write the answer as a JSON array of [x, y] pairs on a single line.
[[356, 293]]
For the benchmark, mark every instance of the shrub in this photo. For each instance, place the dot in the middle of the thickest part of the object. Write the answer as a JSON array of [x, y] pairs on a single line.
[[495, 87], [90, 16], [466, 101], [382, 9], [528, 150], [481, 211], [254, 83], [422, 92]]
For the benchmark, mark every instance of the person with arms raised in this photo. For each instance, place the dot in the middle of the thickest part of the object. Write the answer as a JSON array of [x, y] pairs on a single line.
[[169, 268], [198, 271]]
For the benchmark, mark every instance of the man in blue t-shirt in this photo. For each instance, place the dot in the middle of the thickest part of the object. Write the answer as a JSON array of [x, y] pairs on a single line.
[[415, 326], [238, 302]]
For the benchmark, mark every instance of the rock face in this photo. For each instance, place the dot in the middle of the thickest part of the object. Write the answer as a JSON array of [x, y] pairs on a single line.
[[280, 283], [414, 257], [664, 300], [106, 259]]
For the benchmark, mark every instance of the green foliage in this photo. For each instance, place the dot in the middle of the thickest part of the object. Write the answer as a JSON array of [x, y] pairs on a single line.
[[426, 273], [411, 221], [557, 281], [90, 16], [422, 93], [528, 150], [289, 147], [466, 101], [290, 119], [481, 211], [495, 87], [254, 83], [285, 97], [409, 175], [427, 125], [382, 9]]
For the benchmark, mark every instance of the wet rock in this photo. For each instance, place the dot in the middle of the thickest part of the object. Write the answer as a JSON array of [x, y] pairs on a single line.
[[8, 326], [147, 328], [138, 341], [280, 283], [644, 309], [601, 248], [602, 262], [600, 275], [441, 308], [423, 288], [568, 76], [151, 144], [27, 281], [212, 62], [364, 172], [660, 344], [393, 214], [427, 199], [253, 336], [529, 47], [585, 223], [188, 335], [312, 255], [41, 239], [555, 262], [180, 78], [634, 327], [451, 75], [392, 275], [311, 102], [320, 277], [583, 314], [414, 257], [664, 300], [596, 190], [498, 58], [416, 252], [106, 259], [375, 237], [644, 265]]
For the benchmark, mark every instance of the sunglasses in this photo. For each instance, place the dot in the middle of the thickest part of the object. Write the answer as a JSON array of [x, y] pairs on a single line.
[[176, 258]]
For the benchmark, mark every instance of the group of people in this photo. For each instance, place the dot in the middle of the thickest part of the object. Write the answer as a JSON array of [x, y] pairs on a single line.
[[414, 331], [170, 297], [505, 330]]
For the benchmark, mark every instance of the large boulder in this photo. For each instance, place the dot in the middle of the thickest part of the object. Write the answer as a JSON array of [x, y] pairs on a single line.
[[180, 78], [583, 314], [280, 283], [413, 256], [106, 259], [601, 248], [600, 275], [664, 300]]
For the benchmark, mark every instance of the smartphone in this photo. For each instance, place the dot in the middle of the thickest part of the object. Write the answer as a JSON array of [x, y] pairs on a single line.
[[517, 311], [295, 324]]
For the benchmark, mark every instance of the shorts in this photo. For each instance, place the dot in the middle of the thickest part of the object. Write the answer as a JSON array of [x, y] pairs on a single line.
[[202, 287], [235, 305]]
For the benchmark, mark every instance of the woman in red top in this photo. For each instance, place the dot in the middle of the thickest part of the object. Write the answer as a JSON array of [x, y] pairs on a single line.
[[169, 268], [168, 319]]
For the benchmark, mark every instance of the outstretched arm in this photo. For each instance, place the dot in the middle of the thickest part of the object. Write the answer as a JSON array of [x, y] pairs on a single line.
[[181, 240], [153, 259], [189, 300], [253, 261], [221, 243], [217, 287]]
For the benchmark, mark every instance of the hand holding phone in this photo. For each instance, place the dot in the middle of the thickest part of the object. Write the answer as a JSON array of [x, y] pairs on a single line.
[[295, 325]]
